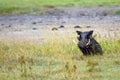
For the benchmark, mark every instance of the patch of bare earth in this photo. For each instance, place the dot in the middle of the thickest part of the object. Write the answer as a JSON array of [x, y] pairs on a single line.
[[44, 26]]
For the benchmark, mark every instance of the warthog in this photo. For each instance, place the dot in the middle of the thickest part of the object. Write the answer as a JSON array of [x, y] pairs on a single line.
[[87, 44]]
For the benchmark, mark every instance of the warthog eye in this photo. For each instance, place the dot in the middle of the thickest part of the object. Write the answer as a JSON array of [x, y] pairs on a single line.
[[79, 38]]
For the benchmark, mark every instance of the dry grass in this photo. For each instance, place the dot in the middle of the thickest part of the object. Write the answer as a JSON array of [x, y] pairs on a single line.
[[58, 58]]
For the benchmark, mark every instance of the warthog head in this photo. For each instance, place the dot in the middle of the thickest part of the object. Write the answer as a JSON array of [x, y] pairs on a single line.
[[84, 38]]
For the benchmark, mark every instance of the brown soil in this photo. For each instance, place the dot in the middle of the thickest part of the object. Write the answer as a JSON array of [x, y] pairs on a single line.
[[39, 27]]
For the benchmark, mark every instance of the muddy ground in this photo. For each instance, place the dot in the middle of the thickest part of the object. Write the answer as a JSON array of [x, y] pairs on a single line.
[[38, 27]]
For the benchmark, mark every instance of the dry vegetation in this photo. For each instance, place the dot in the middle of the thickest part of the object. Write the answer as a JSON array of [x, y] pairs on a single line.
[[58, 58]]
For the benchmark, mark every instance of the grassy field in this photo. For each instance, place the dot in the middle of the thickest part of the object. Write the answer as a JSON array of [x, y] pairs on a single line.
[[35, 6], [58, 60]]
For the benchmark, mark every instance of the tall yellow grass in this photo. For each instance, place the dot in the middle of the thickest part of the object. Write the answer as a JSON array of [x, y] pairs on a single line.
[[57, 58]]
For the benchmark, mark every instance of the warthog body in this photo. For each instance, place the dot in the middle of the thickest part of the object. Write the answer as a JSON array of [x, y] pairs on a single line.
[[87, 44]]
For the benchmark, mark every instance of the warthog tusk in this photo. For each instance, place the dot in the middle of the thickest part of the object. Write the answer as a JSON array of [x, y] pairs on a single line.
[[88, 42]]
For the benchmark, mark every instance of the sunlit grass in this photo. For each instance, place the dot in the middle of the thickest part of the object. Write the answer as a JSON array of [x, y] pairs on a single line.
[[117, 12], [35, 6], [58, 58]]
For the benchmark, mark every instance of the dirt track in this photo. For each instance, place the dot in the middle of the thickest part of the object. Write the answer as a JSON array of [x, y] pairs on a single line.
[[38, 27]]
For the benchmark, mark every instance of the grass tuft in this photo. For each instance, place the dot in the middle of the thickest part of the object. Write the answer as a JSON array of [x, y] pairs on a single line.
[[56, 59], [117, 12]]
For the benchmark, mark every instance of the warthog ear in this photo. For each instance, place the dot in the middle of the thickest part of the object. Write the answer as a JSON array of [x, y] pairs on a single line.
[[78, 32], [91, 32]]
